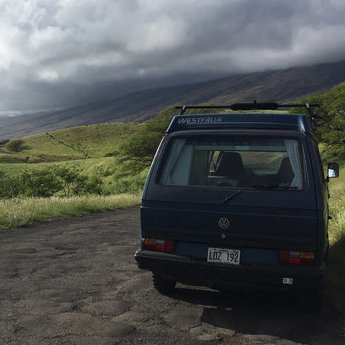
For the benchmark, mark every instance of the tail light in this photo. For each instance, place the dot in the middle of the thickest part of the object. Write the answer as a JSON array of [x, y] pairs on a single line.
[[166, 246], [296, 258]]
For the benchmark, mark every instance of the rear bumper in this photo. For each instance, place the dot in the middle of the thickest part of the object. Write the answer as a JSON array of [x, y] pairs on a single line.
[[189, 271]]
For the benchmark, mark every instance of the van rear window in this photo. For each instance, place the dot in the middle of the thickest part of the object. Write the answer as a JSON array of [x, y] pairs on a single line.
[[233, 162]]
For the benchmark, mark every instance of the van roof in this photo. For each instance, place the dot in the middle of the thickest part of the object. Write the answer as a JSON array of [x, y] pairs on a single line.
[[296, 122]]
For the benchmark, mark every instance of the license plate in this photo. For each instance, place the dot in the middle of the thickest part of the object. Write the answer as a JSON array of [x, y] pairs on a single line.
[[224, 256]]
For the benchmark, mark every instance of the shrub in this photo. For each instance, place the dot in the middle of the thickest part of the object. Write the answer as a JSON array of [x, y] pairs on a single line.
[[41, 183], [331, 119], [9, 188], [73, 183], [94, 185], [17, 145], [49, 182], [138, 149]]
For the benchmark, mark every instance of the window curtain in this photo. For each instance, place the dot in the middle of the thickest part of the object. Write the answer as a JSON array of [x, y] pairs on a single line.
[[292, 149], [171, 163]]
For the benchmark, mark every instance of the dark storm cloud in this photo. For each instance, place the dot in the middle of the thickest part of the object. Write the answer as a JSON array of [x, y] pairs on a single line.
[[66, 52]]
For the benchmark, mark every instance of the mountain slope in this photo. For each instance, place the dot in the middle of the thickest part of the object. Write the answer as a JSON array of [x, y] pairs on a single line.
[[280, 85]]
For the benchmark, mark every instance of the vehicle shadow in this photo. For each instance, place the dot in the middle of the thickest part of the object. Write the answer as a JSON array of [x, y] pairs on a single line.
[[275, 313]]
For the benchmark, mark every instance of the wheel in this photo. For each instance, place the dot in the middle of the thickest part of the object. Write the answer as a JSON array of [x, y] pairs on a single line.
[[311, 300], [162, 284]]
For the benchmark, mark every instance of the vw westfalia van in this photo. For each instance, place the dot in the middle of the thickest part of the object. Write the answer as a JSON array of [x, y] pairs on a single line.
[[237, 199]]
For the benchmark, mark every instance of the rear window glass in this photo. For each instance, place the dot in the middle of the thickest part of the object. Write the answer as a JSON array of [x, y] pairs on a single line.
[[233, 162]]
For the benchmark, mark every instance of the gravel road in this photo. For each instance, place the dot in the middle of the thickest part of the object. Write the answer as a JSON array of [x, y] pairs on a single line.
[[75, 281]]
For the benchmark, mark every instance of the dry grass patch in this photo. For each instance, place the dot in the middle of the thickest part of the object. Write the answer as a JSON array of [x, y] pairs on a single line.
[[18, 212]]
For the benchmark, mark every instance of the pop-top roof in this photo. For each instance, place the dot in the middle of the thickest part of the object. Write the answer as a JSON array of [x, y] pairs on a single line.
[[297, 122]]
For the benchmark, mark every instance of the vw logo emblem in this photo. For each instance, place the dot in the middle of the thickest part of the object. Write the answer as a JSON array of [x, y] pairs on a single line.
[[223, 223]]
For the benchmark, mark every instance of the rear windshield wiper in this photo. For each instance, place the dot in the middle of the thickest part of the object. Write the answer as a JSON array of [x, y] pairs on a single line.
[[275, 187], [232, 196]]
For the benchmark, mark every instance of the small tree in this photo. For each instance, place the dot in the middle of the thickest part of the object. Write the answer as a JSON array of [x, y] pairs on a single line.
[[73, 183], [331, 118], [139, 148], [17, 145]]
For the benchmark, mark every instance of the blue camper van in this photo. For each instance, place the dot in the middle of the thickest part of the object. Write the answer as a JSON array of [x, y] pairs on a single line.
[[237, 199]]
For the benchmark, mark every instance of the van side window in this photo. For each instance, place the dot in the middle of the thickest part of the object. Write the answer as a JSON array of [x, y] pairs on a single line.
[[233, 162]]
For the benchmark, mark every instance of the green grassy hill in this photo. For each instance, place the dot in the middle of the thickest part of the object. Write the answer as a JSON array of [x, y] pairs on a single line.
[[91, 152], [94, 141], [67, 172]]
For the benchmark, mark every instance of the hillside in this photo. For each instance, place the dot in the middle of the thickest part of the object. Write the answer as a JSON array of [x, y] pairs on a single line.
[[74, 161], [95, 141], [119, 154], [279, 85]]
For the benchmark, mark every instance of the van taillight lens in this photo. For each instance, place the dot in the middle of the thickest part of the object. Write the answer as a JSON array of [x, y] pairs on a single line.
[[166, 246], [296, 258]]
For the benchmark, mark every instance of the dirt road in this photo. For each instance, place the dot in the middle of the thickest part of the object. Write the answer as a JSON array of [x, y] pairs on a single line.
[[75, 281]]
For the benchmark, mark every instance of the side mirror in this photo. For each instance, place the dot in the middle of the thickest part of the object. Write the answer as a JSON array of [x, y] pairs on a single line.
[[332, 170]]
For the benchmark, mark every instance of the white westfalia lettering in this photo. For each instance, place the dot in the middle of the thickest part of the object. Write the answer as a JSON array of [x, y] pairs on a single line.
[[198, 120]]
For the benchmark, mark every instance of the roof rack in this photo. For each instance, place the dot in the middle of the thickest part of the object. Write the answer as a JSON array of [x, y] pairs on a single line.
[[254, 106], [248, 106]]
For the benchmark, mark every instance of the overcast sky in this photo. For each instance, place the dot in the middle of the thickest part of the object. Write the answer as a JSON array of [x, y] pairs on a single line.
[[59, 53]]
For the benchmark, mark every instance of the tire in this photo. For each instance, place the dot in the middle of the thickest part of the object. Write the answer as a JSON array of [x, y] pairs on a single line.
[[163, 285], [311, 300]]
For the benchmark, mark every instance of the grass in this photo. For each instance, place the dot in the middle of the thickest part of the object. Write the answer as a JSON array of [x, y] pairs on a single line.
[[46, 152], [97, 140], [101, 140], [19, 212], [11, 169]]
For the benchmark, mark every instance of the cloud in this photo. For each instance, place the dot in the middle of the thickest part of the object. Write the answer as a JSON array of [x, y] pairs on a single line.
[[66, 52]]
